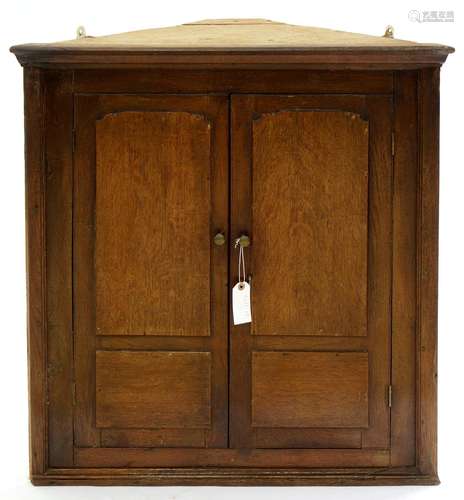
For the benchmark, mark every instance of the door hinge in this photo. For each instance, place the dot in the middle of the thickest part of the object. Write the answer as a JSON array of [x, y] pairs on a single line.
[[393, 143], [389, 396]]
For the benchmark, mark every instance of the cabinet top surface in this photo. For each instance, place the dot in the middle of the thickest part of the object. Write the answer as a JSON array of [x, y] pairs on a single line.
[[234, 36]]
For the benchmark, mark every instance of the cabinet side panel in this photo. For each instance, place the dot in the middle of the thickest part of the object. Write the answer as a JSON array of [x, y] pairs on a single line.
[[403, 419], [58, 137], [35, 235], [428, 90]]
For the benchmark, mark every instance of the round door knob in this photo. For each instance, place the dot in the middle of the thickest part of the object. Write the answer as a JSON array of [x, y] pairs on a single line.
[[244, 241], [219, 239]]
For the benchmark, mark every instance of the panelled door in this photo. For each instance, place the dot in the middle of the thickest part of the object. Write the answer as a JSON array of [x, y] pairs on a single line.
[[150, 288], [162, 376], [312, 186]]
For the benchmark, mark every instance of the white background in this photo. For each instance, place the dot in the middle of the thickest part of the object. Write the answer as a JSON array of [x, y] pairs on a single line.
[[24, 21]]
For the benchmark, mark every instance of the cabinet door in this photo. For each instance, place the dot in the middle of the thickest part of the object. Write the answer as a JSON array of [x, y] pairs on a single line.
[[150, 287], [311, 183]]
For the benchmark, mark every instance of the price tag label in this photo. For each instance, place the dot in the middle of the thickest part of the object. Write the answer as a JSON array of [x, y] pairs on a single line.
[[241, 303]]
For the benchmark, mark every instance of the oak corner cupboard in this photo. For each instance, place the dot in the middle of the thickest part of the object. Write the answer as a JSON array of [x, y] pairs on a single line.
[[154, 160]]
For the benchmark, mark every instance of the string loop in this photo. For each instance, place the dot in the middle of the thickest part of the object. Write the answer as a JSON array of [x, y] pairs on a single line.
[[241, 263]]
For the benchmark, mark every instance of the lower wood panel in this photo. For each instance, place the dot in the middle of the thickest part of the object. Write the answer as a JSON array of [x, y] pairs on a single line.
[[310, 389], [192, 457], [140, 389]]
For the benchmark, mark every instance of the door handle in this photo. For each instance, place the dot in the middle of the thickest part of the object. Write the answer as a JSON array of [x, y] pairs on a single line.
[[243, 241], [219, 239]]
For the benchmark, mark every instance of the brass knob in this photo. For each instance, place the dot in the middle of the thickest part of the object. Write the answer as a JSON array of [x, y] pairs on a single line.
[[219, 239], [244, 241]]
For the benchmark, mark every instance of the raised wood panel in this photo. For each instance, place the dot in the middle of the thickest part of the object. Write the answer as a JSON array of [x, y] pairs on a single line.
[[309, 389], [153, 389], [152, 210], [310, 197]]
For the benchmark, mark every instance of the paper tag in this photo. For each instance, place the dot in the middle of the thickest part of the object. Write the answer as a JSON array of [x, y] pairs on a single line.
[[241, 304]]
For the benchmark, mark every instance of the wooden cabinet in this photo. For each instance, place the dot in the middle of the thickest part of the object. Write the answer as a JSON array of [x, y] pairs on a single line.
[[147, 155]]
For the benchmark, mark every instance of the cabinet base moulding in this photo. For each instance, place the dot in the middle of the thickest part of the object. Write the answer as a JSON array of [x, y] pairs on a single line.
[[234, 477]]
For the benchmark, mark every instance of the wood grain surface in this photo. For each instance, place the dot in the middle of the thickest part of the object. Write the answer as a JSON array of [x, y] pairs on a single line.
[[153, 204], [309, 389], [58, 207], [310, 214], [233, 34], [153, 389]]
